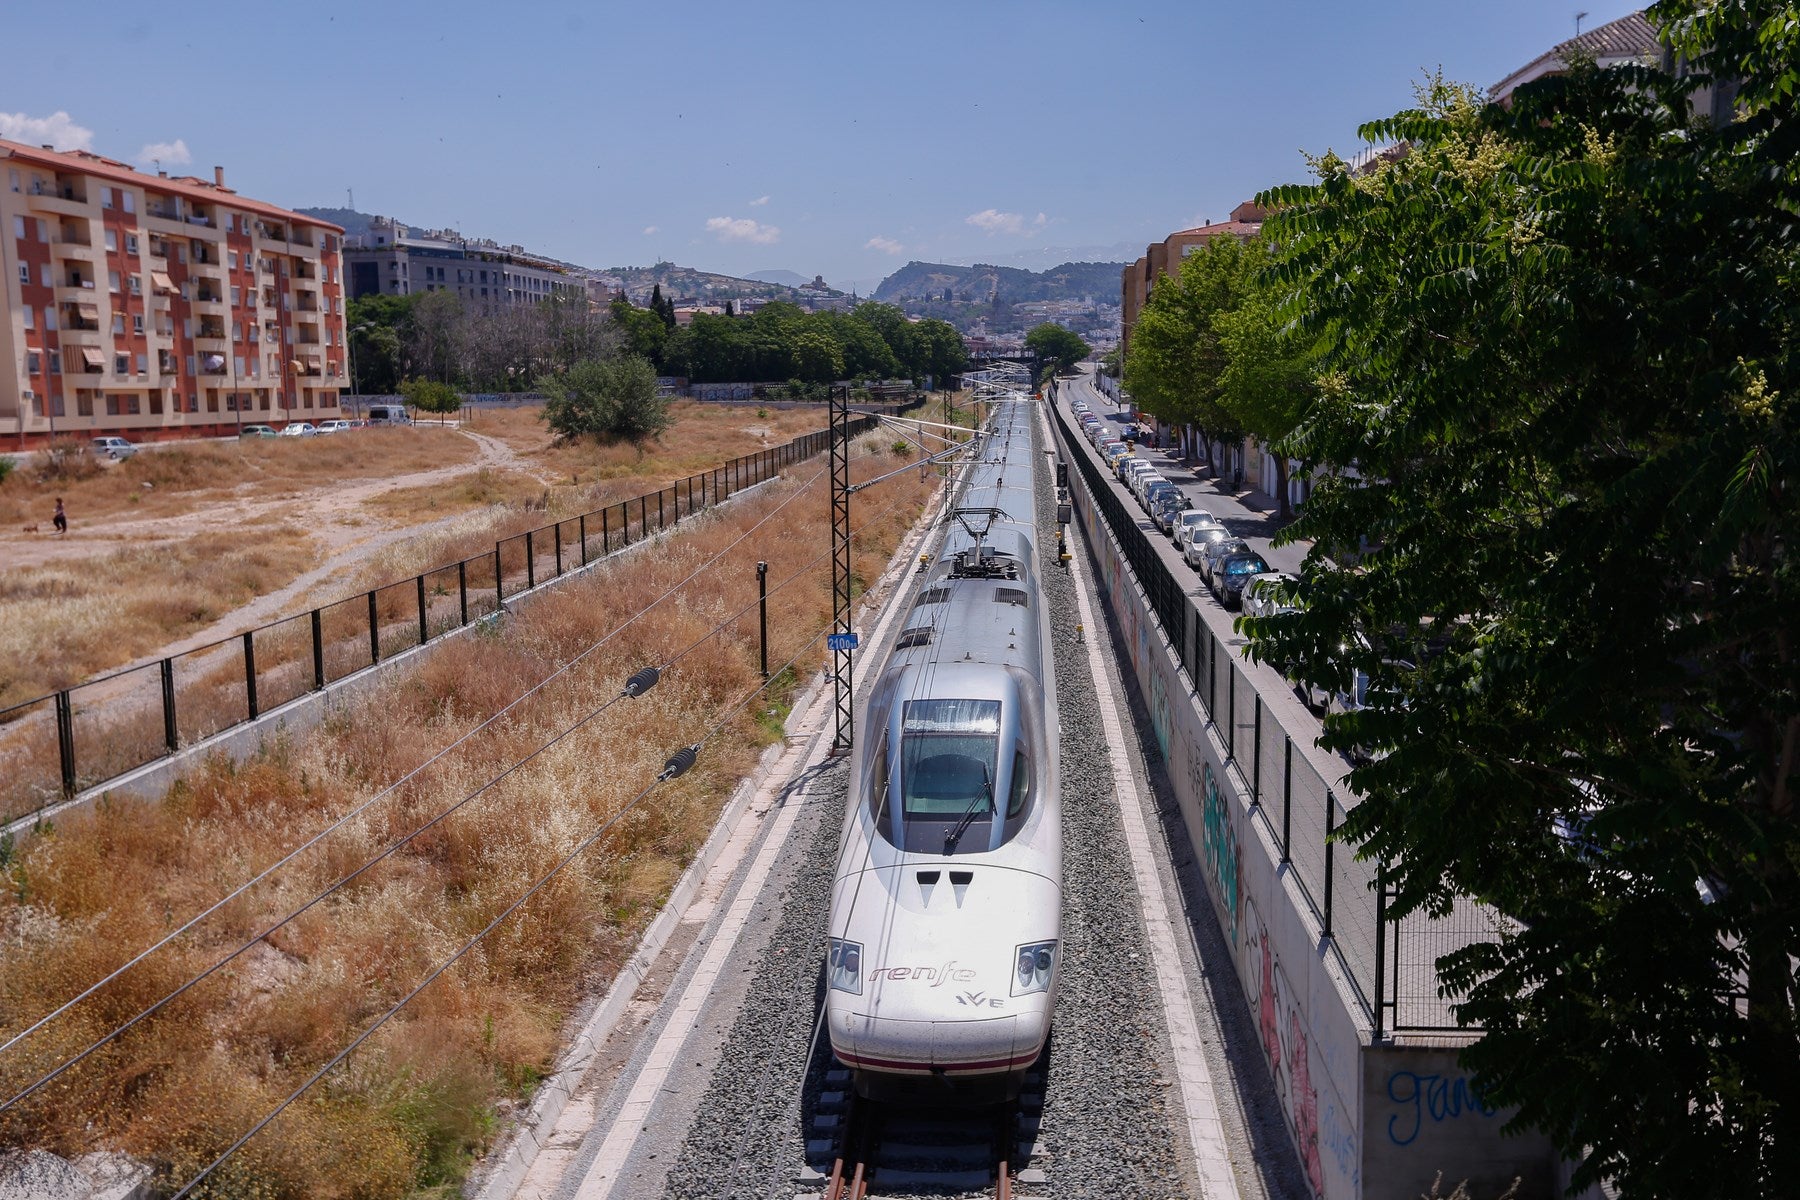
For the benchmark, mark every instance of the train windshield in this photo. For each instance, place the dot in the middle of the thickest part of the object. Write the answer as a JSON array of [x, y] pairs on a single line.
[[948, 751]]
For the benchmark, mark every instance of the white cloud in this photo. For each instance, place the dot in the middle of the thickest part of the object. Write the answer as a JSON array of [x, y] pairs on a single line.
[[650, 229], [742, 229], [886, 245], [991, 221], [759, 202], [58, 129], [173, 153]]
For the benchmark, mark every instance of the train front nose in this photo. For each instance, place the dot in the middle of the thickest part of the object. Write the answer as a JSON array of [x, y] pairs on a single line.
[[963, 1050]]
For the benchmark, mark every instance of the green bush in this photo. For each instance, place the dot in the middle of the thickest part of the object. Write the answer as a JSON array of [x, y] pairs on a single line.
[[7, 466]]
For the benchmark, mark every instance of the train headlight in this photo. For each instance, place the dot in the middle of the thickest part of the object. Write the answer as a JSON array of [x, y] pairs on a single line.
[[843, 966], [1033, 965]]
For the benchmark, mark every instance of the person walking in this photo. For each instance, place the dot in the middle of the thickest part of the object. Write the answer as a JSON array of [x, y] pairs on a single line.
[[61, 520]]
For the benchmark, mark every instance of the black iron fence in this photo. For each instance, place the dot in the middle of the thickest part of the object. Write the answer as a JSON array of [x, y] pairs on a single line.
[[80, 737], [1391, 965]]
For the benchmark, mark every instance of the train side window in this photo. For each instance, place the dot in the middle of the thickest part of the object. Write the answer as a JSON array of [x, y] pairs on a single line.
[[1021, 784], [878, 783]]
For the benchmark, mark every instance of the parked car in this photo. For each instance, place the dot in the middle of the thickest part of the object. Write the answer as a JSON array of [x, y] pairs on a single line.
[[256, 431], [1200, 540], [299, 429], [1168, 508], [1232, 572], [1359, 696], [333, 426], [1211, 555], [1189, 520], [1262, 595], [1144, 484], [114, 448], [388, 414]]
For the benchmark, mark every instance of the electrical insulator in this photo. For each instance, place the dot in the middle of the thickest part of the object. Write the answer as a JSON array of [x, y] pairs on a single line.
[[679, 762], [642, 682]]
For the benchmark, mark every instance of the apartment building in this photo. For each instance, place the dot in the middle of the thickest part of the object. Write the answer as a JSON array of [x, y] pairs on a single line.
[[390, 260], [1164, 258], [150, 307]]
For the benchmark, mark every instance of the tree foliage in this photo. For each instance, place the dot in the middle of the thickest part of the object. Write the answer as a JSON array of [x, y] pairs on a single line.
[[430, 396], [608, 399], [1060, 348], [1557, 380]]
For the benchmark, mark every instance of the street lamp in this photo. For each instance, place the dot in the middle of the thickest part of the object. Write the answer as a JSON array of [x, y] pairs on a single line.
[[350, 351]]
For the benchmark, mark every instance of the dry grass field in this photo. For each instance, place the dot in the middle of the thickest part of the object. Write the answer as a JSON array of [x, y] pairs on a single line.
[[224, 523], [410, 1110]]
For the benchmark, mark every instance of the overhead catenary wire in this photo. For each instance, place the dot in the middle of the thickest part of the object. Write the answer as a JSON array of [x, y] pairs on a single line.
[[639, 683], [677, 764], [385, 792]]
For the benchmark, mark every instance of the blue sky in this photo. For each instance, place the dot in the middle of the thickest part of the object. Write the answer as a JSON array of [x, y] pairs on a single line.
[[841, 138]]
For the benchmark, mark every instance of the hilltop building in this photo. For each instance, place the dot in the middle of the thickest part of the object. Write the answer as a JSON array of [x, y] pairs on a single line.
[[390, 260], [147, 307], [1164, 258]]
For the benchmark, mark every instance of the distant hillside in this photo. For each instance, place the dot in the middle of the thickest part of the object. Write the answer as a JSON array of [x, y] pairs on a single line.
[[691, 283], [788, 278], [991, 285], [354, 222]]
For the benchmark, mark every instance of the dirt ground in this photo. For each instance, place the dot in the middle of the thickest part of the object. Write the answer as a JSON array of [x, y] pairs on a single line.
[[354, 509]]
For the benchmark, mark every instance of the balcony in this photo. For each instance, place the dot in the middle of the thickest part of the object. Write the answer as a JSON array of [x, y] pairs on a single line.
[[306, 302], [73, 290], [86, 333], [306, 250], [67, 198]]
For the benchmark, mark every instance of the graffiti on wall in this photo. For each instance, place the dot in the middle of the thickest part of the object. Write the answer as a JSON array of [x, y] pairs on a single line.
[[1218, 839], [1282, 1029], [1422, 1100]]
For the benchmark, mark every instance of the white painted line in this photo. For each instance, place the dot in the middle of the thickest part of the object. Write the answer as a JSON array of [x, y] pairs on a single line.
[[1206, 1132]]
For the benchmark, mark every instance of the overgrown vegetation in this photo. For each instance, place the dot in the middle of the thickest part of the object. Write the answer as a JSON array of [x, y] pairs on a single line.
[[608, 400], [413, 1107]]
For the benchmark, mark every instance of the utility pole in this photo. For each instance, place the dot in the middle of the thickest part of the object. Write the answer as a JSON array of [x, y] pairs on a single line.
[[843, 640]]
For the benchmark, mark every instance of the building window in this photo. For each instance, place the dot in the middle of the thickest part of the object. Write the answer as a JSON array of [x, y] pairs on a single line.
[[137, 322], [24, 272], [84, 404], [112, 281], [143, 366], [112, 241], [112, 406], [212, 402], [118, 324], [193, 404], [121, 364], [106, 202], [43, 274], [30, 316], [233, 259], [12, 180], [131, 246], [19, 228], [156, 404], [137, 285], [33, 364], [126, 201]]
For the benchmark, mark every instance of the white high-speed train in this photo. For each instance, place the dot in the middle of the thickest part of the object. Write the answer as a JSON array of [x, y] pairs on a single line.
[[946, 913]]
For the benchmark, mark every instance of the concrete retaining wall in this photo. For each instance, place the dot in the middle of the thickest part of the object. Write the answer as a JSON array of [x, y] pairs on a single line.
[[1371, 1122]]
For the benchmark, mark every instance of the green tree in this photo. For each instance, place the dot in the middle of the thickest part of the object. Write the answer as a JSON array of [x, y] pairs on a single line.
[[1270, 376], [817, 358], [1057, 347], [428, 395], [610, 400], [644, 332], [375, 352], [1176, 367], [1558, 350]]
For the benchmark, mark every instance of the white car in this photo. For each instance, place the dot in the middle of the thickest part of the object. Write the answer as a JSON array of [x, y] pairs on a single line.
[[1260, 598], [114, 448], [333, 426], [299, 429], [1193, 518]]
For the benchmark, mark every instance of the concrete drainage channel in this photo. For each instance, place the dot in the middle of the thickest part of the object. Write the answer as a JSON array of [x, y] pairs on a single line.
[[308, 711]]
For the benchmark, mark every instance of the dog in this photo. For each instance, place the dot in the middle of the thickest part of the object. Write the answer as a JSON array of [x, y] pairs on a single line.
[[31, 529]]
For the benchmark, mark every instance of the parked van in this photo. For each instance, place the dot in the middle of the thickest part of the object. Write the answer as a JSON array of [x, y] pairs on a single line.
[[388, 414]]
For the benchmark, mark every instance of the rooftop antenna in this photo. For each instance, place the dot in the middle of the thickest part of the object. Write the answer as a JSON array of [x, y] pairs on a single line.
[[1579, 17]]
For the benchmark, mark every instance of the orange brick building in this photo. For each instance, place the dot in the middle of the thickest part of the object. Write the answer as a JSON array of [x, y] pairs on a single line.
[[1164, 258], [151, 307]]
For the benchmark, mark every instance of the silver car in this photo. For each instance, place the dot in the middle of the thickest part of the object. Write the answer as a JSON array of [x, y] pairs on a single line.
[[1193, 518], [1200, 540], [114, 448]]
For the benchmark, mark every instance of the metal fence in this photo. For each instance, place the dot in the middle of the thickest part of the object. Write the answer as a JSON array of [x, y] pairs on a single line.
[[1391, 965], [56, 745]]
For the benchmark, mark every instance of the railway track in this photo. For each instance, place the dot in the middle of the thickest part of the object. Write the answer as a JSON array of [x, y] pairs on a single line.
[[879, 1151]]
